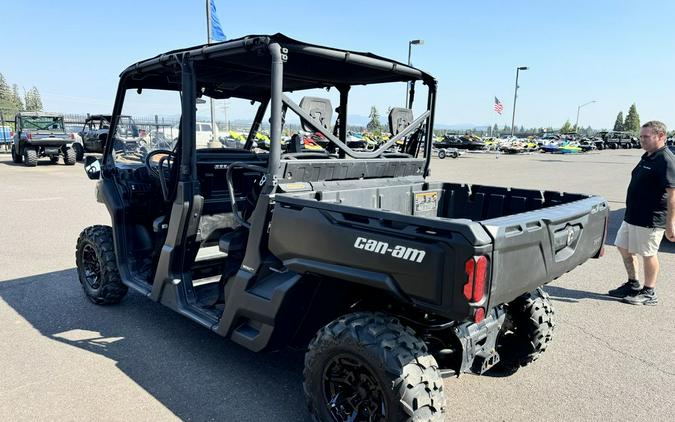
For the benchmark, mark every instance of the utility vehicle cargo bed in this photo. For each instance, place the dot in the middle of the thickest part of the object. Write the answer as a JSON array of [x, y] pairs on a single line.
[[414, 239]]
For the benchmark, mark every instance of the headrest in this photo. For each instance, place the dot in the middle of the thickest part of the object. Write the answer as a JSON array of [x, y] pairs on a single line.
[[320, 109], [399, 119]]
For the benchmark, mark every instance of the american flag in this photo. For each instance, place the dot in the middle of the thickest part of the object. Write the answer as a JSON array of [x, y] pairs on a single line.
[[499, 107]]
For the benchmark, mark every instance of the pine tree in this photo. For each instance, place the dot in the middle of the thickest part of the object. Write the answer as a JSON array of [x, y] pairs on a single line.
[[38, 99], [374, 124], [33, 100], [6, 104], [16, 98], [567, 127], [495, 130], [618, 124], [632, 123], [28, 100]]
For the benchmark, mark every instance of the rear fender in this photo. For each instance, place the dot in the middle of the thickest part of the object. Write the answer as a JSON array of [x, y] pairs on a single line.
[[417, 261]]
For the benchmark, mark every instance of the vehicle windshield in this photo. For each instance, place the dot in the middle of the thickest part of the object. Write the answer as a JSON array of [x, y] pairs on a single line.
[[154, 113], [42, 123]]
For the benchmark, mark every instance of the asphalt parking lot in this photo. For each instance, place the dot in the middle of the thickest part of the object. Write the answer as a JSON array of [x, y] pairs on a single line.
[[63, 358]]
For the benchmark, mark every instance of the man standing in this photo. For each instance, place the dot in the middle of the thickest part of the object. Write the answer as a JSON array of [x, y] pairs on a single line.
[[650, 212]]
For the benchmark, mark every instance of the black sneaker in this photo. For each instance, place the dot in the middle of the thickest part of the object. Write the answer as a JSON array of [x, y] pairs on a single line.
[[627, 289], [644, 297]]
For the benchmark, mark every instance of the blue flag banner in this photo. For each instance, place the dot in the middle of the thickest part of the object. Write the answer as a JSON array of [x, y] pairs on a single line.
[[217, 33]]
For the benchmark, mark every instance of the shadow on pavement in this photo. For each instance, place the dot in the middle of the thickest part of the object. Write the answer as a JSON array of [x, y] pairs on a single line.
[[563, 294], [193, 372]]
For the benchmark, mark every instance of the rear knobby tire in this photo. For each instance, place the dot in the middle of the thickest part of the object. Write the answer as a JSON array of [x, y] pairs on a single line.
[[30, 157], [396, 371], [97, 266], [529, 330], [69, 157]]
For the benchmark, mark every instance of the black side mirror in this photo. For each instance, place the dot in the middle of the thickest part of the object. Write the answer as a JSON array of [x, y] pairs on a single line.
[[93, 167]]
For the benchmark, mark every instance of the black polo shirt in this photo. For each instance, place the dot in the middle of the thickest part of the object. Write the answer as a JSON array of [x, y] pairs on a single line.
[[646, 199]]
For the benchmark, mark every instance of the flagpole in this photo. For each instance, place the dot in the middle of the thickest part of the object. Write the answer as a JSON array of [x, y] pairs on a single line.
[[208, 41]]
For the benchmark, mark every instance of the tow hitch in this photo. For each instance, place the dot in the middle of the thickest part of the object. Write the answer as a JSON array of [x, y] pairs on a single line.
[[478, 341]]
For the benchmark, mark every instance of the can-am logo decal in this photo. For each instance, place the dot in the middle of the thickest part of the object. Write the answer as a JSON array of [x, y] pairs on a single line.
[[398, 251]]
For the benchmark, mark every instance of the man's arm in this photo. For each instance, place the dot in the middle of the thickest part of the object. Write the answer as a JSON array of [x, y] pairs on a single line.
[[670, 219]]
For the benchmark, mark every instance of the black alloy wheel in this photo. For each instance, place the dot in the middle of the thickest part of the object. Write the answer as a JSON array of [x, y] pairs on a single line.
[[351, 390], [97, 266], [91, 267]]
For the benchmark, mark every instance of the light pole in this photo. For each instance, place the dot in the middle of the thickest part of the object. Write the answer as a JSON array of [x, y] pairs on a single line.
[[407, 86], [576, 125], [515, 96]]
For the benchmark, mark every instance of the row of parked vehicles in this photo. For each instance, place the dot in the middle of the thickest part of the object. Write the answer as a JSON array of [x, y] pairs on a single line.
[[550, 142], [39, 135]]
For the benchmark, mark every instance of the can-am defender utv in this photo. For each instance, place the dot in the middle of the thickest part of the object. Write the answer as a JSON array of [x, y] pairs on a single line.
[[40, 134], [388, 280]]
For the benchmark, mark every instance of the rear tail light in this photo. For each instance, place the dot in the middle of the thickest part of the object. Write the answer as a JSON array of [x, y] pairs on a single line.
[[476, 273], [72, 136], [30, 136], [11, 133]]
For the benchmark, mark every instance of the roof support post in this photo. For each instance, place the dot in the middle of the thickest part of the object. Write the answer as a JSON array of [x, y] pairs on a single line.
[[188, 165], [262, 108], [278, 58], [428, 142], [344, 96]]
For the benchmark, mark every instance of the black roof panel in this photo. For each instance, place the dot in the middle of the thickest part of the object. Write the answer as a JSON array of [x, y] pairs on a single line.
[[241, 68]]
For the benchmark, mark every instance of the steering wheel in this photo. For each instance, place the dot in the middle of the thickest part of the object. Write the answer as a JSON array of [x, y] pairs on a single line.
[[155, 167], [154, 163]]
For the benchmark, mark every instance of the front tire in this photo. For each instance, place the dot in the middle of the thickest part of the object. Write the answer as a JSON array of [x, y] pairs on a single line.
[[368, 366], [69, 157], [30, 157], [441, 154], [79, 151], [528, 331], [97, 266], [16, 157]]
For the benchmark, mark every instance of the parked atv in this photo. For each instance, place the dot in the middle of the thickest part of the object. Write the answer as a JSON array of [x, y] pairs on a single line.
[[40, 135], [389, 280]]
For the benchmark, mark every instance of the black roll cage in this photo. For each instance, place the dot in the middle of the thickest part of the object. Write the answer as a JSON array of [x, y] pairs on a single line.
[[159, 73]]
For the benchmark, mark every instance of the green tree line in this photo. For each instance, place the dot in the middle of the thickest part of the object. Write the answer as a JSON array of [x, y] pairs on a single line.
[[631, 123], [11, 102]]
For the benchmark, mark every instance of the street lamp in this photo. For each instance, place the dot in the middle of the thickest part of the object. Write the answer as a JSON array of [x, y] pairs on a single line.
[[410, 44], [576, 125], [515, 96]]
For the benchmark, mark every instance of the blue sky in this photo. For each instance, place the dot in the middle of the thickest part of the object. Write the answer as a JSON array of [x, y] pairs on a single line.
[[616, 52]]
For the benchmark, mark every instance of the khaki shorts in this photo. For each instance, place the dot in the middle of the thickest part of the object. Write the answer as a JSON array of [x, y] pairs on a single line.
[[638, 240]]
